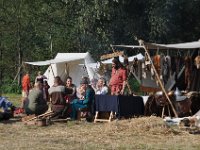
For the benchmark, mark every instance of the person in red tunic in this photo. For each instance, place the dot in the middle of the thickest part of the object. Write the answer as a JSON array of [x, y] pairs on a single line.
[[25, 85], [118, 78], [25, 88]]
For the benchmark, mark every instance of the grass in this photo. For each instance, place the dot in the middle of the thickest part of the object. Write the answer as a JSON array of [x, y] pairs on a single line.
[[138, 133], [14, 98]]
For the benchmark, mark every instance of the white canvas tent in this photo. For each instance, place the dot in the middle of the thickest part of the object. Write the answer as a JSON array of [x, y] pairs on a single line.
[[67, 64]]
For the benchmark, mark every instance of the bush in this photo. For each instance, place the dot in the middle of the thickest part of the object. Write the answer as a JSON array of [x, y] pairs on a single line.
[[9, 87], [134, 84]]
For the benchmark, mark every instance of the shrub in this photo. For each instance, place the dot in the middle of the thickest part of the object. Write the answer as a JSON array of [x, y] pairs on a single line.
[[9, 86]]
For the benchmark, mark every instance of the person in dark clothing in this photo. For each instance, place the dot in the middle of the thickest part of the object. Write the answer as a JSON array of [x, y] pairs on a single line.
[[72, 87], [6, 109], [45, 90], [40, 78]]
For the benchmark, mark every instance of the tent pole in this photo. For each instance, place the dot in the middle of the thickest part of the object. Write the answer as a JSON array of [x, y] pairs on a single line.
[[52, 71], [160, 83], [17, 73]]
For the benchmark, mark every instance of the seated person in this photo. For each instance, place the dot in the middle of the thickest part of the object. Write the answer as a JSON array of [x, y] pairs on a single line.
[[80, 92], [45, 90], [35, 103], [6, 109], [101, 88], [93, 83], [87, 100], [57, 95], [70, 86]]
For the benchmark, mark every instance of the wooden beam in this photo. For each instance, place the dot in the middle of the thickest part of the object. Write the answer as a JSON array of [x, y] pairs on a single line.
[[37, 117], [114, 54]]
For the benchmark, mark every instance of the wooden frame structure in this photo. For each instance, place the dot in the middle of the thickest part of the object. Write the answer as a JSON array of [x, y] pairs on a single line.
[[33, 117], [183, 46], [145, 46], [96, 119], [160, 83], [156, 74]]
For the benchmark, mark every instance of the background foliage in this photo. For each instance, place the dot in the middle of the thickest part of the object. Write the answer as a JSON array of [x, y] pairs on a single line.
[[37, 30]]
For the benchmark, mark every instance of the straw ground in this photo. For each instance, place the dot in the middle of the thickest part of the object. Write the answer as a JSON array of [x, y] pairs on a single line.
[[136, 133]]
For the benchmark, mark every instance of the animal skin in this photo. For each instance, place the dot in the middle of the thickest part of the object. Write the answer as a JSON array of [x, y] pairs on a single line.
[[197, 62], [157, 64], [188, 71]]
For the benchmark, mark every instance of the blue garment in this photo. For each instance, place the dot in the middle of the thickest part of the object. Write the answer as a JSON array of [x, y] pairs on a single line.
[[4, 103], [85, 103]]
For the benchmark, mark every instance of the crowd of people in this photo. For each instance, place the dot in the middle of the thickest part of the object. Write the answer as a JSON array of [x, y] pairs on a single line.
[[64, 98]]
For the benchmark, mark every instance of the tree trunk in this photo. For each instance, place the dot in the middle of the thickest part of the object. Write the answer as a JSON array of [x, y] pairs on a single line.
[[19, 50], [1, 69]]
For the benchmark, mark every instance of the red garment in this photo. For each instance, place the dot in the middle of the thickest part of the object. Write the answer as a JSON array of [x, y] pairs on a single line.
[[26, 83], [116, 89], [157, 64], [118, 76]]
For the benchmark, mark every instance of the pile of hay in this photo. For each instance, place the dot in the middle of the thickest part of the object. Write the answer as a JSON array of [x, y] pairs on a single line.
[[143, 125]]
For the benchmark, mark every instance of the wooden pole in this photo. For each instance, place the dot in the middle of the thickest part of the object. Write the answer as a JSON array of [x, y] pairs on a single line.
[[42, 115], [18, 72], [52, 70], [160, 83]]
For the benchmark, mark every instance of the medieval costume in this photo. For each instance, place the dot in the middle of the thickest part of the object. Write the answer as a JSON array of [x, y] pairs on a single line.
[[86, 102], [118, 78]]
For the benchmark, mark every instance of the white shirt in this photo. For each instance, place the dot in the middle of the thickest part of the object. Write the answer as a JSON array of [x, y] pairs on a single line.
[[102, 91]]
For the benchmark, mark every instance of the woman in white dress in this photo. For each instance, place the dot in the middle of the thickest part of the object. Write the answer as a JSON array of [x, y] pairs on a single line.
[[101, 87]]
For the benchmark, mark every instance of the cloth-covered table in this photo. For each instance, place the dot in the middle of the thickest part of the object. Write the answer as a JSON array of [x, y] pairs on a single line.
[[123, 106]]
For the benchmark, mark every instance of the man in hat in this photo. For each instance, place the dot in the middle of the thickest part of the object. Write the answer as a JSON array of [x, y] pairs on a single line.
[[87, 100], [118, 77]]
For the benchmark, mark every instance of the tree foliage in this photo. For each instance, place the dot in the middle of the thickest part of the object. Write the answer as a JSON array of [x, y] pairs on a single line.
[[37, 30]]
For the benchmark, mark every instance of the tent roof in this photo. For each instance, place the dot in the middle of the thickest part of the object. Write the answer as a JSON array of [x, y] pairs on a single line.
[[61, 57], [188, 45]]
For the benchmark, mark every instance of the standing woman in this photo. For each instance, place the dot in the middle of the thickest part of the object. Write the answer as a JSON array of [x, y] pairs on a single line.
[[118, 77]]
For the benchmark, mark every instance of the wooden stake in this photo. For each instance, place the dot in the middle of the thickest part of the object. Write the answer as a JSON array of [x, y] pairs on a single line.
[[160, 83], [52, 70]]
